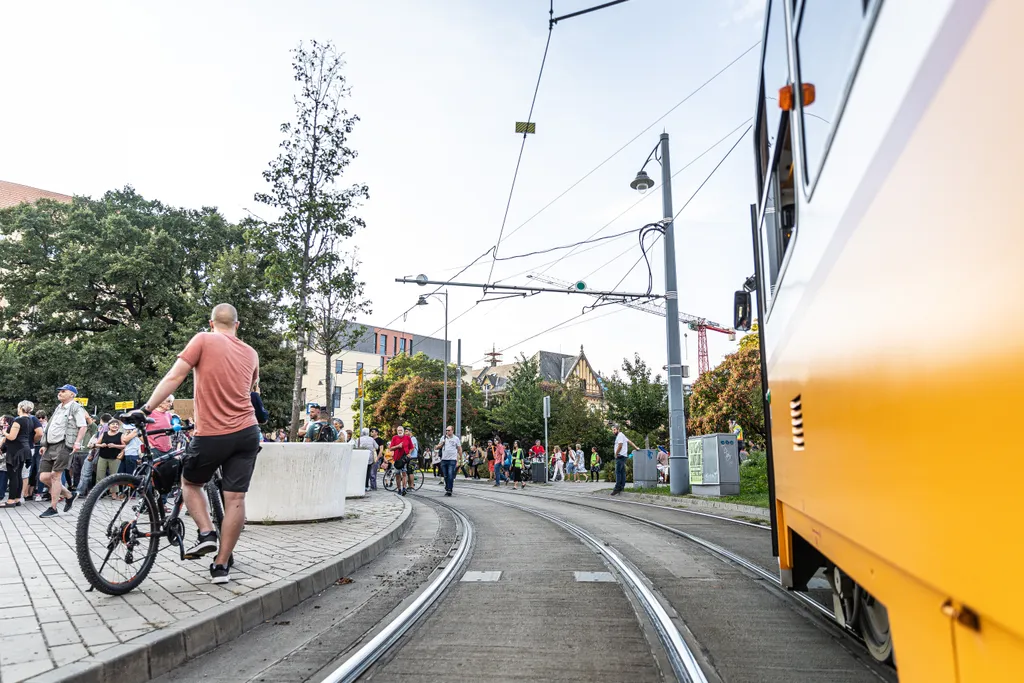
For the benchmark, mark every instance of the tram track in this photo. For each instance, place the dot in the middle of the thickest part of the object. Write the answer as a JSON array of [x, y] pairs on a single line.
[[814, 609]]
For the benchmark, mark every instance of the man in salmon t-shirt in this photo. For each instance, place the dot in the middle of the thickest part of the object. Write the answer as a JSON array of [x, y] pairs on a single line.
[[227, 434]]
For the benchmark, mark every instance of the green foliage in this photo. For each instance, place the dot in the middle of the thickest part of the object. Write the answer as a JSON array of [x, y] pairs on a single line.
[[313, 214], [731, 390], [608, 470], [639, 403], [102, 293], [574, 421], [520, 415]]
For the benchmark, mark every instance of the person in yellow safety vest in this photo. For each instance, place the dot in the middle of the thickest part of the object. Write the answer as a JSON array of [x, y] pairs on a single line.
[[738, 433], [517, 466]]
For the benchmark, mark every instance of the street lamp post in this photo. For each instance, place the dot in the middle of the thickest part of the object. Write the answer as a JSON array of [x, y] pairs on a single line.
[[423, 302], [679, 471]]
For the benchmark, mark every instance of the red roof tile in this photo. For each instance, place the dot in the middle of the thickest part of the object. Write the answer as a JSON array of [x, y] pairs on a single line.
[[12, 194]]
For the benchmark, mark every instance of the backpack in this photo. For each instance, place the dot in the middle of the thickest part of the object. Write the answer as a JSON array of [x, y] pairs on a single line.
[[326, 433]]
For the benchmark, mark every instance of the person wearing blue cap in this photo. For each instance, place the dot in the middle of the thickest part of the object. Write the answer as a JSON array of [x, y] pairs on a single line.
[[63, 436]]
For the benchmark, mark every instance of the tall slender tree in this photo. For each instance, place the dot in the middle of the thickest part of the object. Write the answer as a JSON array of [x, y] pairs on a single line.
[[314, 214]]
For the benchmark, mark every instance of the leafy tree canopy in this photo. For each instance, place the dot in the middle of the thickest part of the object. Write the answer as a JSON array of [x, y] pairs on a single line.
[[731, 390], [638, 402]]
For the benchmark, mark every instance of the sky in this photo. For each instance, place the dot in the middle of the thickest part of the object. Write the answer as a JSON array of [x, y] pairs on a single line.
[[184, 102]]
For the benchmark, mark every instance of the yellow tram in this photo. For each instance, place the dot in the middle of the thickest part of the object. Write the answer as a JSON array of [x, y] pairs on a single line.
[[889, 241]]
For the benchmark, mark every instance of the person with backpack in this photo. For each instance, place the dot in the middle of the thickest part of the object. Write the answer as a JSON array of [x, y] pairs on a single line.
[[320, 429]]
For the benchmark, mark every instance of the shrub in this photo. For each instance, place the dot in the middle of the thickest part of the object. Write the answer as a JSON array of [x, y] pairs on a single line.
[[608, 470]]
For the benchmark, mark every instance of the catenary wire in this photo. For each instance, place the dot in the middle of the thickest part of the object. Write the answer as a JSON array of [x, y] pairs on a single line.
[[519, 161]]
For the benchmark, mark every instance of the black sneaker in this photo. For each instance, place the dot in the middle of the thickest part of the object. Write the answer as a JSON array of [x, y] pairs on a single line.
[[206, 544], [49, 512], [219, 574], [70, 501]]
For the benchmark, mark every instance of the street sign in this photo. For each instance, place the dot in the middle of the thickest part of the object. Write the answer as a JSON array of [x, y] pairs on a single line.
[[359, 373], [83, 401], [124, 405], [523, 127], [547, 407]]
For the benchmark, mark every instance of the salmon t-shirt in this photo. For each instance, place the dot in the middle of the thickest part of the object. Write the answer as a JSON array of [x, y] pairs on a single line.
[[225, 369]]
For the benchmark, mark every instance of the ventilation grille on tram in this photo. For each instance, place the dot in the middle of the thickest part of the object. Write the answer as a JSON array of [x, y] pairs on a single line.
[[796, 416]]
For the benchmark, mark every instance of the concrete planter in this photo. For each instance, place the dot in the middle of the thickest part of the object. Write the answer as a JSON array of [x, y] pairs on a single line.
[[300, 482], [357, 474]]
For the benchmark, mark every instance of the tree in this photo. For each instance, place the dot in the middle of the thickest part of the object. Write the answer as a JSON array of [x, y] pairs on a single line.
[[638, 402], [102, 292], [731, 390], [574, 421], [520, 412], [333, 308], [314, 214]]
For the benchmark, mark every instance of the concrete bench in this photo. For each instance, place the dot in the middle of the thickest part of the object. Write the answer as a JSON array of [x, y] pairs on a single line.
[[303, 482]]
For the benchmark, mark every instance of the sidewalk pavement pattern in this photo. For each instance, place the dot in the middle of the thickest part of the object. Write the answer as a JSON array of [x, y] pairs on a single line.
[[48, 620]]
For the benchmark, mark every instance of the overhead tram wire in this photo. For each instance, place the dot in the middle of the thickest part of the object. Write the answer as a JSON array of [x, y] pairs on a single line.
[[636, 137], [687, 203], [652, 194], [564, 323], [529, 119], [630, 208]]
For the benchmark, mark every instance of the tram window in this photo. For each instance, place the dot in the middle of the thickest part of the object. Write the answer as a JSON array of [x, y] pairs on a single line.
[[774, 75], [778, 225], [826, 43]]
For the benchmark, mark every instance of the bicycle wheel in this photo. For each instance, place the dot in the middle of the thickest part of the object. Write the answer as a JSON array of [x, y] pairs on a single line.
[[216, 499], [417, 479], [112, 535], [389, 479]]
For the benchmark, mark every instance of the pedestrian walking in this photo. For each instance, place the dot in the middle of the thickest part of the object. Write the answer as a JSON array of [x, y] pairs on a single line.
[[595, 464], [451, 450], [227, 434], [110, 448], [621, 453], [401, 458], [499, 461], [85, 482], [557, 464], [61, 438], [517, 466]]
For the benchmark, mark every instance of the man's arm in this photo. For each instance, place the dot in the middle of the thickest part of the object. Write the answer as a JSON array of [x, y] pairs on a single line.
[[171, 381]]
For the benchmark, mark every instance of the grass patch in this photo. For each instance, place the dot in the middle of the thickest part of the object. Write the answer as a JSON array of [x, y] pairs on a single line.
[[753, 484]]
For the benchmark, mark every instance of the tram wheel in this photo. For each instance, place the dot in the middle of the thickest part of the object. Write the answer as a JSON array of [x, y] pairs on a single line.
[[874, 627]]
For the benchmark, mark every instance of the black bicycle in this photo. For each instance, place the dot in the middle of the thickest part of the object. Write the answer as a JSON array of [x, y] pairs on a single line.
[[123, 519]]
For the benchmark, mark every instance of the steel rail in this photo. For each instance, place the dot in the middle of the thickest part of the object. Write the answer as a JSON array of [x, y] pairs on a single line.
[[683, 661], [353, 667]]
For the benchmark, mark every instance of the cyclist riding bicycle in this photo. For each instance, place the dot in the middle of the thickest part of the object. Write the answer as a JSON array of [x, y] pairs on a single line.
[[227, 434]]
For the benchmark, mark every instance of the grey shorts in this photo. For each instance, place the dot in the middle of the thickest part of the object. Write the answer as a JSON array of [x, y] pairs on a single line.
[[57, 458]]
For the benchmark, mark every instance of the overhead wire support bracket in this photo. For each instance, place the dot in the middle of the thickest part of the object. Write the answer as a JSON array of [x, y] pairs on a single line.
[[555, 20], [517, 288]]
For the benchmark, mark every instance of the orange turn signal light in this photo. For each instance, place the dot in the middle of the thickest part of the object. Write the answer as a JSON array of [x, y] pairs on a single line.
[[786, 96]]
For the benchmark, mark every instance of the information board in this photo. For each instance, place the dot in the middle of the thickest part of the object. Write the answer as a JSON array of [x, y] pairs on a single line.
[[695, 451]]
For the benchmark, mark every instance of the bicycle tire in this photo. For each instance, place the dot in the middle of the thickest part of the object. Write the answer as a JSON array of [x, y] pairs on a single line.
[[216, 499], [417, 480], [389, 479], [85, 558]]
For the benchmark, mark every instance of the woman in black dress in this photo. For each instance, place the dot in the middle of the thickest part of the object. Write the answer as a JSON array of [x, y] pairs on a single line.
[[19, 438]]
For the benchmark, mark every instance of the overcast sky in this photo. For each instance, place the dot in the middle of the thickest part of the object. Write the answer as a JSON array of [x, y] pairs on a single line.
[[184, 100]]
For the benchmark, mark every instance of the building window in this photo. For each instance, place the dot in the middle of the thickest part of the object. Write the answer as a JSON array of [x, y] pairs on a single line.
[[382, 363], [410, 347], [355, 393], [339, 366], [359, 366], [336, 397], [401, 348], [583, 385], [383, 346]]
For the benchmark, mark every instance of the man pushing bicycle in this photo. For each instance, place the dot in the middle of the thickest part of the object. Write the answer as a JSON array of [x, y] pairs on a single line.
[[227, 434]]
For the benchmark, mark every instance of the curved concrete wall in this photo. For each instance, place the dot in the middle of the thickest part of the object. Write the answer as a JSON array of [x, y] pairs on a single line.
[[357, 474], [300, 482]]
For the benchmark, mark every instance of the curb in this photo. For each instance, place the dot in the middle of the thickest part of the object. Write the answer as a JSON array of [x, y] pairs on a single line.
[[752, 510], [158, 652]]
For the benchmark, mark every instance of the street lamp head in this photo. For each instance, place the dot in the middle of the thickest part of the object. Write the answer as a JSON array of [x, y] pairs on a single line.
[[422, 301], [421, 280], [642, 182]]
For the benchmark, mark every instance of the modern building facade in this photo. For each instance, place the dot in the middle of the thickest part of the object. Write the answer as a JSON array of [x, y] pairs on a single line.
[[371, 353]]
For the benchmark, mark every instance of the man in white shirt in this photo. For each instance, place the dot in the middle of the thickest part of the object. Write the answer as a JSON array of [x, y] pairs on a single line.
[[621, 450], [367, 443], [451, 451]]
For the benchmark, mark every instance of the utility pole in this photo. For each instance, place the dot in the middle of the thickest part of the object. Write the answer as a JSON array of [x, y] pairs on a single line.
[[359, 372], [679, 461], [547, 455]]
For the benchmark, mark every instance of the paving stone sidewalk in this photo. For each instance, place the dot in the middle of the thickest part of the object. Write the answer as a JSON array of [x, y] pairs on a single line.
[[48, 620]]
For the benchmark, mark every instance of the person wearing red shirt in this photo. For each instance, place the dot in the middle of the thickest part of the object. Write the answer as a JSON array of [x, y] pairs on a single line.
[[401, 449]]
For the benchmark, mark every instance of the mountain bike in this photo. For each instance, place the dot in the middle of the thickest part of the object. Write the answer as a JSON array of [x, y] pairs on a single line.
[[415, 479], [117, 540]]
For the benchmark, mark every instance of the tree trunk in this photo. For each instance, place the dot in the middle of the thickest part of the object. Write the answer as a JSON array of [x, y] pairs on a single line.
[[647, 441], [329, 410], [300, 352]]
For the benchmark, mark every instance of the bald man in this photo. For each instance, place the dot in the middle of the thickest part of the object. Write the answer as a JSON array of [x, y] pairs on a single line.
[[227, 435]]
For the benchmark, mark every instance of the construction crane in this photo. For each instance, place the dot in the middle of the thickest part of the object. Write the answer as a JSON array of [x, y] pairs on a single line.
[[694, 322]]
